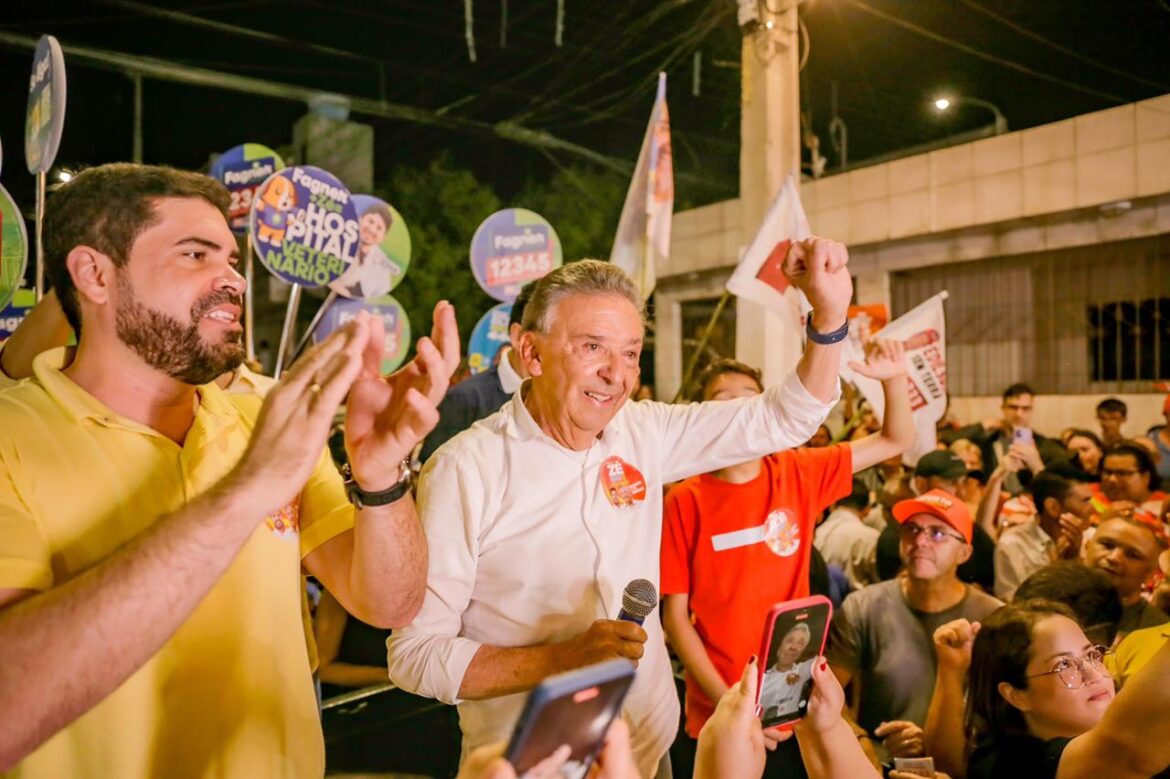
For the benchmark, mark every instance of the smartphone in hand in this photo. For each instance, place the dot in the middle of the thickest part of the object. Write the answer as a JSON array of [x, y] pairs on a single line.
[[574, 708], [794, 636]]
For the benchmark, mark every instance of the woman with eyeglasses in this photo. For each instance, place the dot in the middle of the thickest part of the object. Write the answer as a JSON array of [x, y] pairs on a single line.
[[1040, 703]]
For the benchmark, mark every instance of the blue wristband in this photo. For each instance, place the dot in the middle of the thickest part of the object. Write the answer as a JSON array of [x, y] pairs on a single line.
[[826, 339]]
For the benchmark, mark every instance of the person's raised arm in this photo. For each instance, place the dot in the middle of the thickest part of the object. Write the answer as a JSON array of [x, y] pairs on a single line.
[[65, 649], [44, 328], [1129, 742], [986, 515], [944, 738], [886, 362], [819, 268], [378, 572]]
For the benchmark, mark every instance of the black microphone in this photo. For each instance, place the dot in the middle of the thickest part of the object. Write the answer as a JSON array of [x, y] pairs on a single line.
[[638, 600]]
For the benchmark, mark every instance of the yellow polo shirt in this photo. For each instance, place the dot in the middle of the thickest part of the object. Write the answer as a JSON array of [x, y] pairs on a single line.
[[1137, 649], [230, 694]]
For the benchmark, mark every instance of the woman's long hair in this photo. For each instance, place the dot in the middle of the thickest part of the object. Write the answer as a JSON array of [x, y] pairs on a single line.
[[1001, 653]]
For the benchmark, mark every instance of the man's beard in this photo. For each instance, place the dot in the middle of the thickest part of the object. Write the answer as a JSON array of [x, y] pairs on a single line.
[[168, 345]]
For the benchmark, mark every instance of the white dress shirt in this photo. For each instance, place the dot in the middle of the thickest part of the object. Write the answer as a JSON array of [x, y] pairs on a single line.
[[526, 547]]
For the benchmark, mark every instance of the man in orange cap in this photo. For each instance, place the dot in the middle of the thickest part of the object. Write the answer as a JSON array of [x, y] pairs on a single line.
[[881, 638]]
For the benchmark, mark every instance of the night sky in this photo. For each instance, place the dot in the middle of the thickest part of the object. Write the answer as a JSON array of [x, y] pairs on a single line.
[[1038, 60]]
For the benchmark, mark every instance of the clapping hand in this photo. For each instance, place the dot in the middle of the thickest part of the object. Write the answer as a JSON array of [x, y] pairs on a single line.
[[388, 415]]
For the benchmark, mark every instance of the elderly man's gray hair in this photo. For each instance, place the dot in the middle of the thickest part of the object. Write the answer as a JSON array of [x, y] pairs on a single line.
[[585, 277]]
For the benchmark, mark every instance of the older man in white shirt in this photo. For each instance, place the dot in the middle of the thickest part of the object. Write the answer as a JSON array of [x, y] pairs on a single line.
[[538, 516]]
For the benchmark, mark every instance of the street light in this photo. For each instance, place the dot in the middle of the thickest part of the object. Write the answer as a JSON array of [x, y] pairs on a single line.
[[1001, 126]]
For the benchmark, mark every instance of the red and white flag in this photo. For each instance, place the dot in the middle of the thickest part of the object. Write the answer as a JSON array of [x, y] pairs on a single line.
[[760, 274], [642, 241], [922, 331]]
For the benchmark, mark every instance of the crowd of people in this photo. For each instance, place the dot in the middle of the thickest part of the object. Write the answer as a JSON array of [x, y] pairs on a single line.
[[160, 505]]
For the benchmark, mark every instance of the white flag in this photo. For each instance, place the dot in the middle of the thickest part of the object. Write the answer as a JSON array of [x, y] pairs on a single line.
[[922, 330], [642, 241], [760, 274]]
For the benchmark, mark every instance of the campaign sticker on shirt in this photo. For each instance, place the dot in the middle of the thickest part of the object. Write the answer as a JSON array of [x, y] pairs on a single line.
[[489, 337], [383, 251], [781, 533], [624, 484], [242, 169], [285, 521]]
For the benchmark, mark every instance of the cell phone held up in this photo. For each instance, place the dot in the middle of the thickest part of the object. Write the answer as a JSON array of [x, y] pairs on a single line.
[[1023, 435], [794, 636], [574, 708]]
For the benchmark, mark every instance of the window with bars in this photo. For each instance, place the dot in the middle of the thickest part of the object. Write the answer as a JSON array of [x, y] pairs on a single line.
[[1093, 319]]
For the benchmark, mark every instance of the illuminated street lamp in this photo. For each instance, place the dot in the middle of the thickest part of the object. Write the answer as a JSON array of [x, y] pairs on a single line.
[[1001, 126]]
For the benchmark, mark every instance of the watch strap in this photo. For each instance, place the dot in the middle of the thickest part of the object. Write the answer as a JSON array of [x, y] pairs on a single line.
[[825, 339], [363, 499]]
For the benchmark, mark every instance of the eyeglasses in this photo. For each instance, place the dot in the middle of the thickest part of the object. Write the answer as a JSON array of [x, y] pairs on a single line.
[[1120, 474], [1071, 670], [934, 534]]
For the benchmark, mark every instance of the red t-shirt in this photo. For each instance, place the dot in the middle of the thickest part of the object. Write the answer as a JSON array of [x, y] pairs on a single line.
[[738, 549]]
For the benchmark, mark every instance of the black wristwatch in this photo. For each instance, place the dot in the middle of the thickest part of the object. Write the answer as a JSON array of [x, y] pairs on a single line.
[[825, 339], [362, 499]]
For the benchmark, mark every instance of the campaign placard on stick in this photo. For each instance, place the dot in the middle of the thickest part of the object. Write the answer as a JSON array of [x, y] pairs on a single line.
[[14, 313], [13, 247], [242, 169], [383, 251], [488, 337], [394, 318], [512, 247], [44, 120], [304, 226]]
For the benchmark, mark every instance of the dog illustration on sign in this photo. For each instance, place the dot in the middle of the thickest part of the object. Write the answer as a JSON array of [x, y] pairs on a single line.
[[272, 218]]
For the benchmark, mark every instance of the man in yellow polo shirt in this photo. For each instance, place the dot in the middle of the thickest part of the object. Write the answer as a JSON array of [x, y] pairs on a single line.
[[153, 529]]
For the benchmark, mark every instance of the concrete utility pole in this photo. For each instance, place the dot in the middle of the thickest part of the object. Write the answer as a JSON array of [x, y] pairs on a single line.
[[769, 151]]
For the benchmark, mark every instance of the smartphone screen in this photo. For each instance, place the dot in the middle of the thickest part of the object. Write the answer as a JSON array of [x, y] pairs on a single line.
[[796, 637], [574, 708]]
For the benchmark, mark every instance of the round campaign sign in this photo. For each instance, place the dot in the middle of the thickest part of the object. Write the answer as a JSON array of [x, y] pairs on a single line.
[[490, 333], [242, 169], [14, 313], [397, 324], [304, 226], [13, 247], [512, 247], [45, 119], [383, 251]]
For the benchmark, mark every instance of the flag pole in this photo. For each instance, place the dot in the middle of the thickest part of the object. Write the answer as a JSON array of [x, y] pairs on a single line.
[[694, 361]]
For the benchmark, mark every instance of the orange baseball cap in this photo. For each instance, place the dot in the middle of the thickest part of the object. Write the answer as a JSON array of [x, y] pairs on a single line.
[[941, 504]]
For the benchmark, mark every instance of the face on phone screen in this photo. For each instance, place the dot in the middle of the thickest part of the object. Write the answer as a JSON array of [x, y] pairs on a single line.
[[797, 639]]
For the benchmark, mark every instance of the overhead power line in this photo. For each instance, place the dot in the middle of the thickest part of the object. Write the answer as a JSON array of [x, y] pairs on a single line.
[[984, 55], [1064, 49], [162, 70], [184, 74]]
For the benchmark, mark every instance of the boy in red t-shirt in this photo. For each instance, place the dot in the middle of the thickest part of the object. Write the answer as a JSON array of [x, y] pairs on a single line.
[[738, 540]]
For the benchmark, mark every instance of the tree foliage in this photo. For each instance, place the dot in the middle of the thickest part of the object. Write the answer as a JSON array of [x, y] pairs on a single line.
[[443, 205]]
